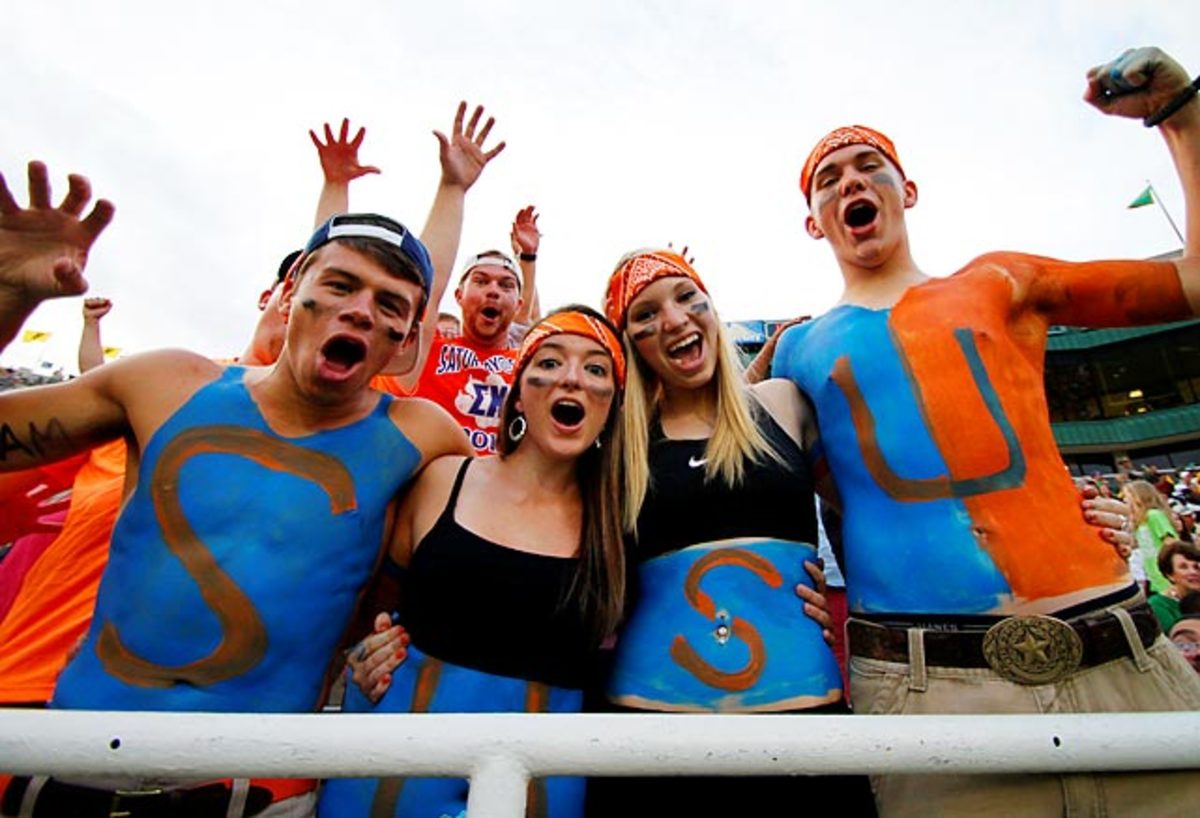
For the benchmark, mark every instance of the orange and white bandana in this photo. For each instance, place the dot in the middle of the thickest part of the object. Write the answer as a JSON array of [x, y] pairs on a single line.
[[840, 138], [637, 273], [574, 323]]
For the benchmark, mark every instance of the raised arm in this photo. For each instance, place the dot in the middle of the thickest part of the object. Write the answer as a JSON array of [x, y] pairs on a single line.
[[1142, 83], [91, 350], [339, 163], [463, 157], [1146, 84], [43, 249], [526, 238]]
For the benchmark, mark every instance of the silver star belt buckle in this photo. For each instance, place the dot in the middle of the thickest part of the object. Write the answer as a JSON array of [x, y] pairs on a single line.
[[1032, 650]]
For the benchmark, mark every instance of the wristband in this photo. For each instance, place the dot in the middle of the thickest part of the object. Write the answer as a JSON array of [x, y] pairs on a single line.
[[1181, 99], [528, 257]]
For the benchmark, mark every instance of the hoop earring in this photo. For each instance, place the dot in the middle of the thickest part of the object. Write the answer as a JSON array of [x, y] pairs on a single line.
[[516, 428]]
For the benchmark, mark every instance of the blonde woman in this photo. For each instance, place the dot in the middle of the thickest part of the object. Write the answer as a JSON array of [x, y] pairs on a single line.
[[719, 514], [1153, 522]]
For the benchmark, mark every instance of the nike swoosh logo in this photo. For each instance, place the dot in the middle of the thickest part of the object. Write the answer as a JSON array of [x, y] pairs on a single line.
[[695, 464]]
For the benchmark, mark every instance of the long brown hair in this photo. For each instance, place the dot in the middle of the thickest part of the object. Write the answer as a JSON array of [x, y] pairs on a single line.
[[599, 584]]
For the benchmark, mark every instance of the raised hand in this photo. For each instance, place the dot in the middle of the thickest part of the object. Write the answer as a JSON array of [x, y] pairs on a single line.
[[462, 154], [95, 308], [1136, 84], [339, 157], [525, 235], [43, 249]]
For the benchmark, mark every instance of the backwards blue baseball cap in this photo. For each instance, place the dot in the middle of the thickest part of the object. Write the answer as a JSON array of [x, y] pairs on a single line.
[[374, 226]]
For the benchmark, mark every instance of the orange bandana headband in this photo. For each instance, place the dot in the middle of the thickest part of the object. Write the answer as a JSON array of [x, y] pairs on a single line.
[[840, 138], [574, 323], [636, 273]]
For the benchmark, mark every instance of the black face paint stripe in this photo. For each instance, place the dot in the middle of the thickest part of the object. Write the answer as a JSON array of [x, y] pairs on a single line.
[[644, 333], [309, 304], [883, 178]]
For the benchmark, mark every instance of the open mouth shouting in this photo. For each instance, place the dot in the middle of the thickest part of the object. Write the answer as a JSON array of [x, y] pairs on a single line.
[[568, 414], [688, 351], [490, 313], [859, 215], [340, 356]]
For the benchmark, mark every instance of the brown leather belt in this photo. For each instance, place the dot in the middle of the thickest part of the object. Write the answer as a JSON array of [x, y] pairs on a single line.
[[1023, 649]]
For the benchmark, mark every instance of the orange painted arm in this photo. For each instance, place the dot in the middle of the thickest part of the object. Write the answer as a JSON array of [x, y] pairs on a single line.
[[1095, 293]]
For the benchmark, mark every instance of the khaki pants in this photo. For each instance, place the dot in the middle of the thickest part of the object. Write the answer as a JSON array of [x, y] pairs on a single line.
[[1165, 682]]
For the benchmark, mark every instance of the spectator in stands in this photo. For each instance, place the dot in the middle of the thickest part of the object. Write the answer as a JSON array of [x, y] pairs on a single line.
[[1179, 562], [464, 537], [1152, 525], [959, 517], [1185, 633]]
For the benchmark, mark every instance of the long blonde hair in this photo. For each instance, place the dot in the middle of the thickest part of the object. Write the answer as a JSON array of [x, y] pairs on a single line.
[[1142, 497], [735, 440]]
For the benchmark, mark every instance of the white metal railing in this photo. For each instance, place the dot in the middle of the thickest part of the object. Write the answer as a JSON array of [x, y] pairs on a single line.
[[499, 753]]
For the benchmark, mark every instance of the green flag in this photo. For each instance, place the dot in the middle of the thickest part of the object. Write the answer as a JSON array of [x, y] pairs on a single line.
[[1144, 198]]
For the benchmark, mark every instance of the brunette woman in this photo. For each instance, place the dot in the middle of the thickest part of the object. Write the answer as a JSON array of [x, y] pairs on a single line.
[[513, 565]]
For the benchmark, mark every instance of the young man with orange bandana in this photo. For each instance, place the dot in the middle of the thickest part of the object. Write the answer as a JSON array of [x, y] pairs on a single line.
[[989, 594]]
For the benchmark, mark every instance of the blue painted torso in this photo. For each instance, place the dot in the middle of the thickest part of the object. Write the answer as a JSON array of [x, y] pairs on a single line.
[[930, 541], [236, 564], [715, 623]]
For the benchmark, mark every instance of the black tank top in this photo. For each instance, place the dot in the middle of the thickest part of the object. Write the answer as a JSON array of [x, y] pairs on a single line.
[[483, 605], [681, 509]]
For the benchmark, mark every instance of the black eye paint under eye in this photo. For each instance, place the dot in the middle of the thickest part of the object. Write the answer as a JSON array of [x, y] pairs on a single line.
[[395, 335], [644, 333], [540, 381], [309, 304], [605, 391], [700, 307], [883, 178]]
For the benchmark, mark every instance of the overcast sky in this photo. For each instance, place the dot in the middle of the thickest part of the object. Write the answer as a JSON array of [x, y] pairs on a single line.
[[629, 123]]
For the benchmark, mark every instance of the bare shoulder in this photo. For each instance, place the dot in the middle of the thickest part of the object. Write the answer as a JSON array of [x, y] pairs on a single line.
[[164, 366], [786, 405], [153, 385], [430, 428], [438, 475]]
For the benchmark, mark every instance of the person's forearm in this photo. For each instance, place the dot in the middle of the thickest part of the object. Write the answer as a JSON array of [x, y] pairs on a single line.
[[441, 235], [334, 199], [529, 306], [91, 352], [1182, 134], [760, 368]]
